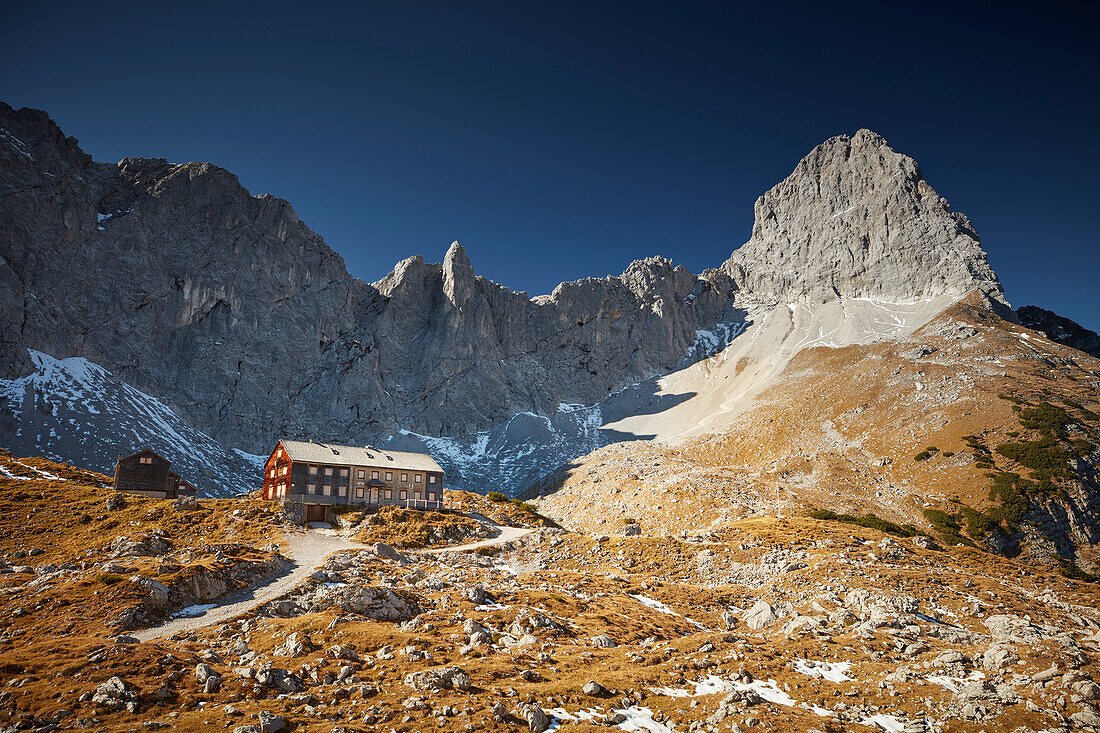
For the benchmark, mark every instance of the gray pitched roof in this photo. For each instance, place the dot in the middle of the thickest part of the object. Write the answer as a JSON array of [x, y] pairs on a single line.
[[358, 455]]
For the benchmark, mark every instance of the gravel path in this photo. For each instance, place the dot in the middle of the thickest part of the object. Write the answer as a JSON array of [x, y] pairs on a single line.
[[307, 551]]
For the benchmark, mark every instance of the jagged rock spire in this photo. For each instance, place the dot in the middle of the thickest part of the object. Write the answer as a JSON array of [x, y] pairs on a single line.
[[459, 280]]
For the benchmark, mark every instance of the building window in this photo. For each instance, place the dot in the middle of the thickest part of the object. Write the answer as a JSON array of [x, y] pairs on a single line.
[[362, 473], [313, 470], [328, 490], [389, 493], [374, 474], [404, 494], [389, 475], [328, 471], [416, 494], [146, 459], [343, 490], [404, 478], [311, 488], [419, 478], [344, 472], [431, 479], [359, 493]]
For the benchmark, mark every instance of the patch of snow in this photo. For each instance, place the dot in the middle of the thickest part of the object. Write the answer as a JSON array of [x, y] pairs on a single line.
[[655, 605], [953, 683], [40, 472], [8, 474], [713, 685], [196, 610], [888, 723], [637, 718], [255, 459]]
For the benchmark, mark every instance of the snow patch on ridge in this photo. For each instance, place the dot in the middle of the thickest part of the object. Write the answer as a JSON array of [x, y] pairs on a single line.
[[74, 410], [514, 454]]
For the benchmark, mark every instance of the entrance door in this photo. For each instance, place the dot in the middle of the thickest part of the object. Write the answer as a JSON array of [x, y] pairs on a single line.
[[315, 512]]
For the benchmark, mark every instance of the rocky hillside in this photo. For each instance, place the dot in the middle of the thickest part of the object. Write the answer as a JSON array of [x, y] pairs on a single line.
[[756, 625], [228, 309], [972, 429]]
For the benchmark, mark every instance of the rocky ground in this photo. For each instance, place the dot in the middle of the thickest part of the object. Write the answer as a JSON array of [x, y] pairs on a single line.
[[756, 625]]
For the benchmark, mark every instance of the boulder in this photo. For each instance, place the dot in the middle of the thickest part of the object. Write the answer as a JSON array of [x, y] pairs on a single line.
[[186, 504], [271, 723], [443, 678], [759, 616], [603, 640], [594, 689], [381, 549], [998, 657], [537, 720]]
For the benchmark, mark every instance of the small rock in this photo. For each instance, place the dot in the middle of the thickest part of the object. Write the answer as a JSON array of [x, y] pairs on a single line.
[[594, 689]]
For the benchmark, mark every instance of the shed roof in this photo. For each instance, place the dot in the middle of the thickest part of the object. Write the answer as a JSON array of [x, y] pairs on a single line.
[[358, 455]]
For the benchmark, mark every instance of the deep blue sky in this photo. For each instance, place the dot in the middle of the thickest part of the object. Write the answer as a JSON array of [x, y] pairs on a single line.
[[558, 141]]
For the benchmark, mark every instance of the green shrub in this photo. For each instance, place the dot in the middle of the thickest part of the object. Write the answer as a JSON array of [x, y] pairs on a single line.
[[630, 520], [496, 496], [529, 508], [1070, 570], [947, 526], [1046, 459], [1011, 489], [948, 453], [1081, 408], [922, 456], [977, 523], [1046, 418], [1083, 447], [869, 521], [109, 578]]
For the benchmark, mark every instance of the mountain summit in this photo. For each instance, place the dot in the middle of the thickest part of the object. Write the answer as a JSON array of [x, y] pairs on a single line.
[[857, 220]]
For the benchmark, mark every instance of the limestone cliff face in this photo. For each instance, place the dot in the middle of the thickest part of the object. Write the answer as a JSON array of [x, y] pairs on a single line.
[[225, 304], [857, 219]]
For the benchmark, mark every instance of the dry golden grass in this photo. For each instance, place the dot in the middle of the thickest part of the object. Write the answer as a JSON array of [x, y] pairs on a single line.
[[414, 528]]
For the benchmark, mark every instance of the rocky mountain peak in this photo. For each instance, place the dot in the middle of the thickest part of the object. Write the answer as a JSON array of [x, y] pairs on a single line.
[[459, 280], [857, 219]]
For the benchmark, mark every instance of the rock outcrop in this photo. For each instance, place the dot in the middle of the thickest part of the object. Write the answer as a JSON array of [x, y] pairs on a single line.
[[229, 308], [1060, 329]]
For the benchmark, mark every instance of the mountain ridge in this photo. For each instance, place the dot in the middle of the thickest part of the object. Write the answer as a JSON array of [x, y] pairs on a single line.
[[227, 303]]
